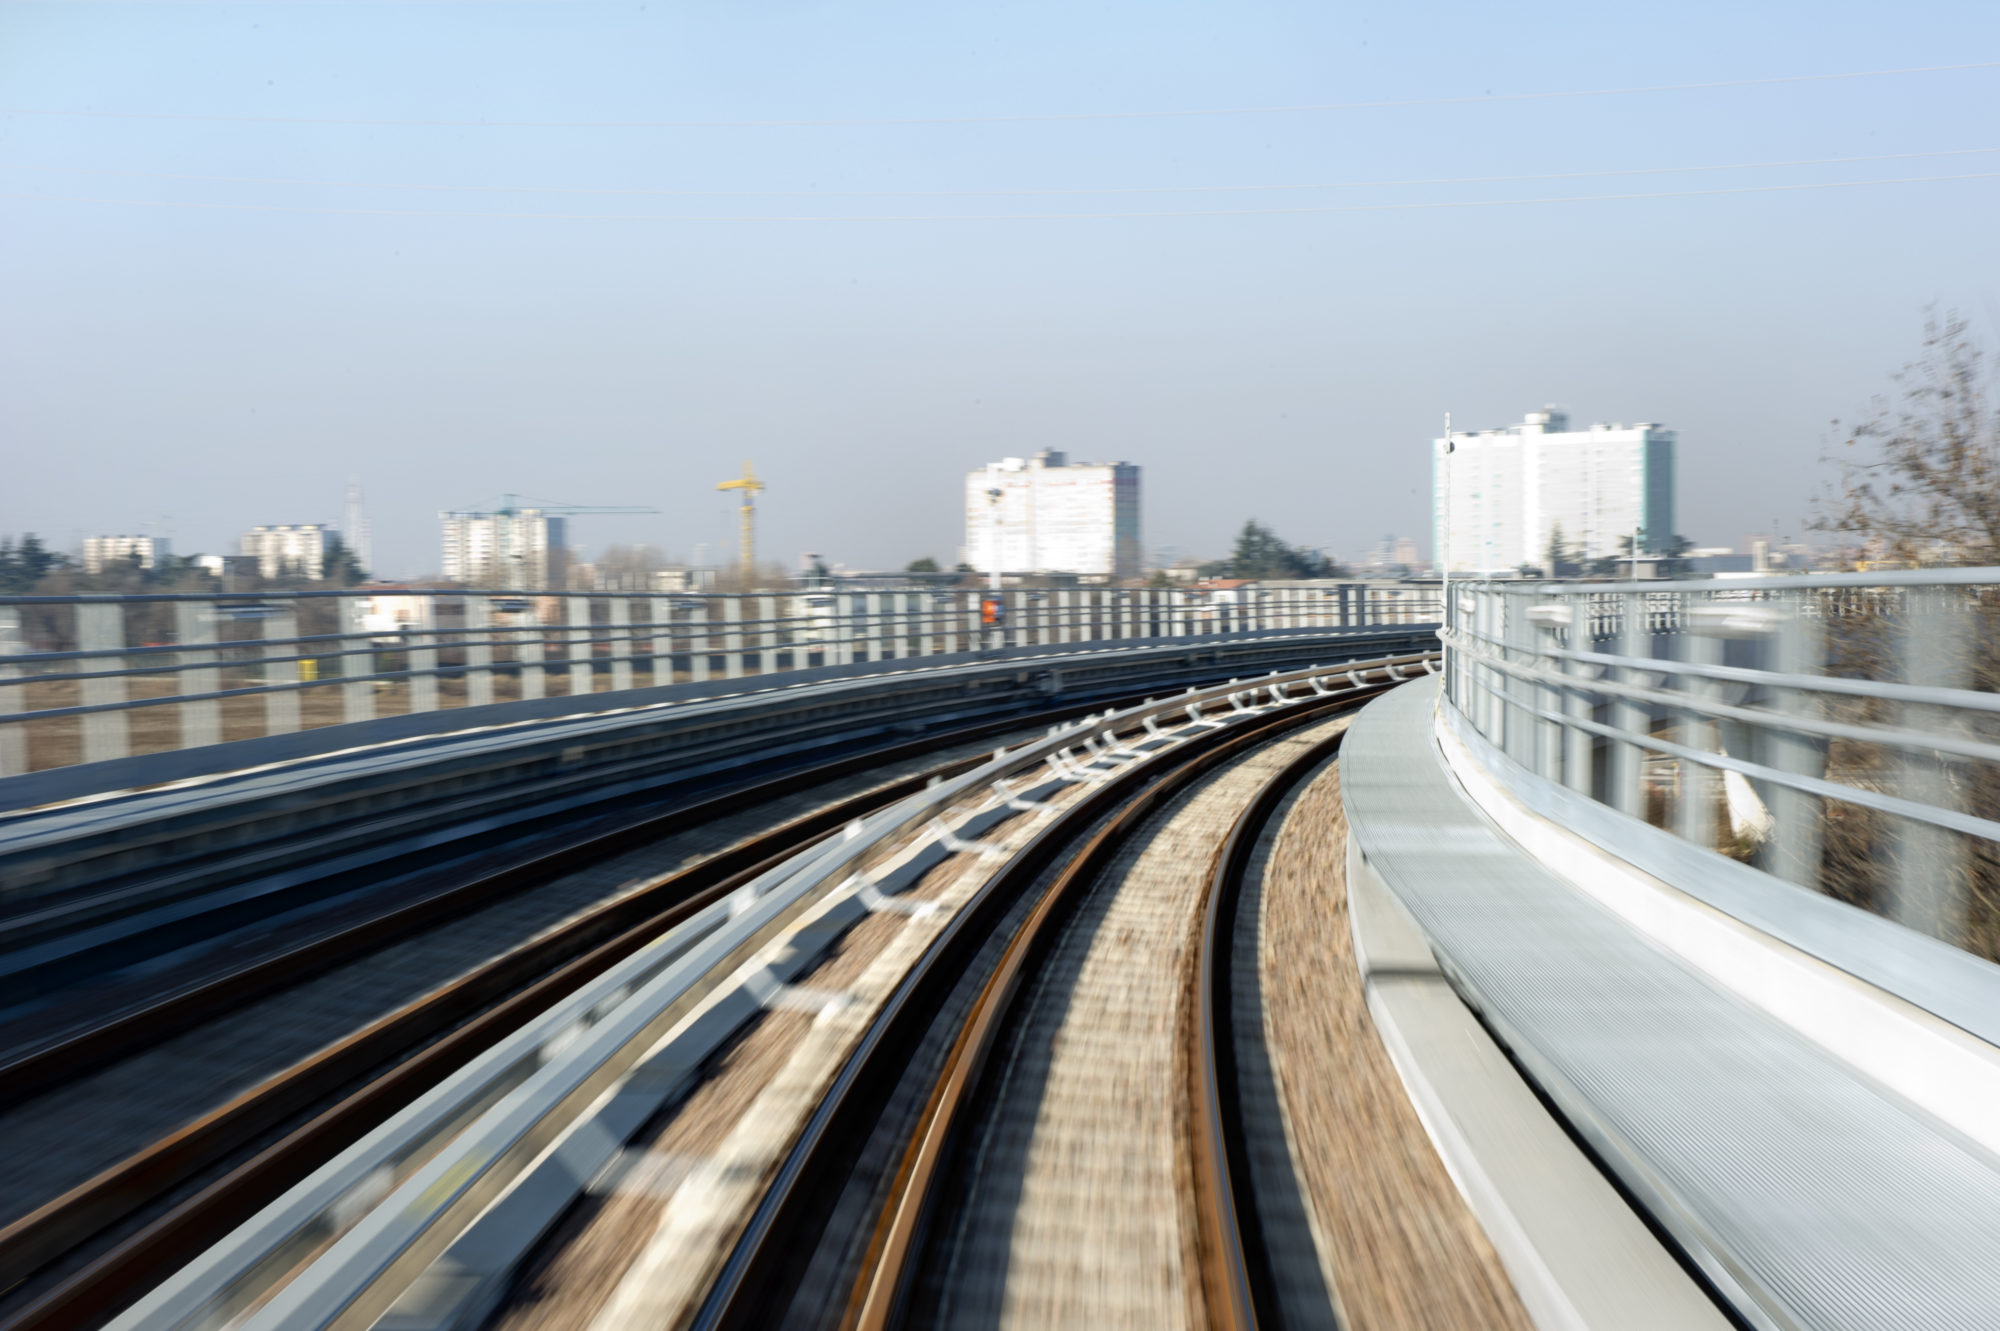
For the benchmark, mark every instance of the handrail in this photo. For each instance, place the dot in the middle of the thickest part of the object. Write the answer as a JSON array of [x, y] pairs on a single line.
[[1747, 714]]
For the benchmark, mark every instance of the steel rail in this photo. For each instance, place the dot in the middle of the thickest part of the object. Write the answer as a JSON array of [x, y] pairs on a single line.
[[30, 1072], [1237, 1280], [468, 1013], [763, 1266], [542, 1084]]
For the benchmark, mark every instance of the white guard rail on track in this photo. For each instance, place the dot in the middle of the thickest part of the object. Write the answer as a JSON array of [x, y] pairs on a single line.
[[437, 1205], [95, 678]]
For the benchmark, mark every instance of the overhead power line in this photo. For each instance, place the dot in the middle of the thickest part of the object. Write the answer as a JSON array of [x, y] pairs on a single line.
[[1015, 192], [1300, 211], [1025, 117]]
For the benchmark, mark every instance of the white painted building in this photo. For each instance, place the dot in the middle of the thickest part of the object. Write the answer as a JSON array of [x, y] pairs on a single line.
[[1498, 495], [521, 549], [103, 552], [289, 550], [1052, 516]]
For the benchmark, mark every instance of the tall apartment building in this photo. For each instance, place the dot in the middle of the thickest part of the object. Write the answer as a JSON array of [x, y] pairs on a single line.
[[521, 549], [1499, 495], [290, 550], [1054, 516], [102, 552]]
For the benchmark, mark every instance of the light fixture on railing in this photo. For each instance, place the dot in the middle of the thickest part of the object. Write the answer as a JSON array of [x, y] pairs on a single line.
[[1734, 621], [1551, 615]]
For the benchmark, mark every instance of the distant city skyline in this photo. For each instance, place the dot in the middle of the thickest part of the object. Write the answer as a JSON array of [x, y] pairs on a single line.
[[870, 247]]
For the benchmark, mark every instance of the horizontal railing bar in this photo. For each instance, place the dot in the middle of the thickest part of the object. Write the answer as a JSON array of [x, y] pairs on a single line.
[[1905, 739], [1984, 828], [1887, 690]]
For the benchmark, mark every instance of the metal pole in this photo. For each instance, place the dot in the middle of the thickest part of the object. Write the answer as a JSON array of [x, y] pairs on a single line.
[[281, 709], [194, 628], [478, 651], [14, 738]]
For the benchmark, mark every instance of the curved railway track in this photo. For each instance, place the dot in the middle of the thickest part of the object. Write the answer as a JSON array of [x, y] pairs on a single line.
[[165, 1201], [1041, 885]]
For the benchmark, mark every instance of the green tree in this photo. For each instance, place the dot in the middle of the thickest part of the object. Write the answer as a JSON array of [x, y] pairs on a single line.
[[1259, 554], [338, 565], [924, 565], [1557, 553], [25, 564]]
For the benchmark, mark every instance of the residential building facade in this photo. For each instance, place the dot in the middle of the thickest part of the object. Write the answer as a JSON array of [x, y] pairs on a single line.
[[110, 552], [522, 549], [1500, 496], [1046, 514], [288, 550]]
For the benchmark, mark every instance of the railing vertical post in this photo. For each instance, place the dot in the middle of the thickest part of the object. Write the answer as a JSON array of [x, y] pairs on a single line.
[[660, 638], [531, 650], [478, 617], [422, 658], [357, 695], [974, 630], [1695, 805], [764, 641], [1547, 744], [582, 654], [14, 737], [100, 627], [618, 628], [1576, 762], [732, 636], [194, 628], [1792, 852], [1627, 761], [697, 637], [281, 707], [1931, 888], [1493, 682], [883, 626]]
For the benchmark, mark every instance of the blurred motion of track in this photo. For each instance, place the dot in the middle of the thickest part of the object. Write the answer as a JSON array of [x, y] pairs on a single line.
[[105, 1235], [1056, 1158]]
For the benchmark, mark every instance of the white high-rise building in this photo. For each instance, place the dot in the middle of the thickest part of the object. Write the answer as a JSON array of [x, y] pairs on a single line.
[[523, 549], [1052, 516], [1499, 495], [102, 552], [289, 550]]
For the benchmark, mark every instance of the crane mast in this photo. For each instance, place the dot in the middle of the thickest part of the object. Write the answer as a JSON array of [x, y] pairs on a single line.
[[750, 487]]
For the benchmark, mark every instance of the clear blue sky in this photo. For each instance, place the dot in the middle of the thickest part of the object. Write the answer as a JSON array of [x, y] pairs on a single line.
[[232, 358]]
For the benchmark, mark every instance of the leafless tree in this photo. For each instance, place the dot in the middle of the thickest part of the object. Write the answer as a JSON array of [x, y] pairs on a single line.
[[1922, 484]]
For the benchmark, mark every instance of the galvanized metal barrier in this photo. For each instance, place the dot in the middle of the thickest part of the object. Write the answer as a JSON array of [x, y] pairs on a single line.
[[1841, 732], [92, 678]]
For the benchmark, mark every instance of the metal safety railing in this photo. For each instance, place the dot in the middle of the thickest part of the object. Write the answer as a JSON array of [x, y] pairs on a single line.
[[92, 678], [1841, 732]]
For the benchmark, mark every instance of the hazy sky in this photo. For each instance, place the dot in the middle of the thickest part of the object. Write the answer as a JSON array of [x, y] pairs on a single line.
[[220, 302]]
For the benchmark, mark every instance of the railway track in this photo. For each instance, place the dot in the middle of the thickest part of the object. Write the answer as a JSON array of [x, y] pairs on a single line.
[[162, 1202], [926, 1184], [430, 1216]]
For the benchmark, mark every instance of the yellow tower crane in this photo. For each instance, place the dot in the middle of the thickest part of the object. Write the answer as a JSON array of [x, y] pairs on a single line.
[[751, 487]]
